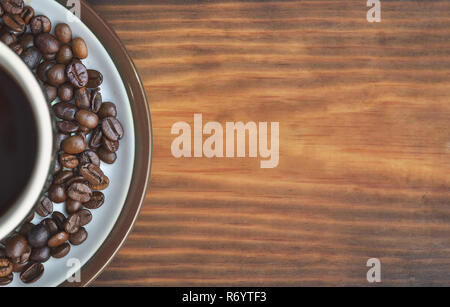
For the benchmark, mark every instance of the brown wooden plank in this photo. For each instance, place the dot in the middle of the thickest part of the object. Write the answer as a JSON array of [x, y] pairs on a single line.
[[364, 142]]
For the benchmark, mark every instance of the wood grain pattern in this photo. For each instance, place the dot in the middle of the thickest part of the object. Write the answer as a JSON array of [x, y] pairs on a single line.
[[364, 142]]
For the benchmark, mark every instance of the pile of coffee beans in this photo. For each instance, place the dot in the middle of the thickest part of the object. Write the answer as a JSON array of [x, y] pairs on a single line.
[[88, 134]]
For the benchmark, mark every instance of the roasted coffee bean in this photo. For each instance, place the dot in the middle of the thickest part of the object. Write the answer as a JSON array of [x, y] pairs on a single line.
[[17, 48], [25, 228], [13, 6], [65, 110], [64, 55], [79, 237], [108, 109], [45, 207], [27, 14], [6, 280], [95, 78], [72, 224], [40, 24], [73, 206], [89, 156], [96, 103], [43, 69], [41, 254], [57, 193], [111, 146], [59, 219], [58, 239], [82, 98], [87, 119], [50, 92], [96, 100], [74, 145], [85, 217], [65, 92], [60, 137], [80, 192], [6, 267], [32, 57], [16, 246], [97, 200], [2, 252], [106, 156], [60, 251], [47, 43], [27, 41], [38, 236], [32, 273], [8, 38], [101, 186], [112, 128], [96, 138], [69, 161], [67, 127], [15, 23], [63, 33], [79, 47], [77, 74], [56, 75], [29, 218], [51, 226], [92, 173]]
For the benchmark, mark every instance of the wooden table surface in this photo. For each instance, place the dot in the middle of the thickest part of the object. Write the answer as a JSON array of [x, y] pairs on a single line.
[[364, 142]]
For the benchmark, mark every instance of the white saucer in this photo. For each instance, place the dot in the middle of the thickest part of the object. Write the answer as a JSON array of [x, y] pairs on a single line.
[[120, 173]]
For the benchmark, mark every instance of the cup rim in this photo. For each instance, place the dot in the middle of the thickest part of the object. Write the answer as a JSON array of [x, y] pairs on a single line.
[[24, 204]]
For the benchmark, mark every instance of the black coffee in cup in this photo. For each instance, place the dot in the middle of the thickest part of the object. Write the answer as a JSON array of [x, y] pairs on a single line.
[[18, 141]]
